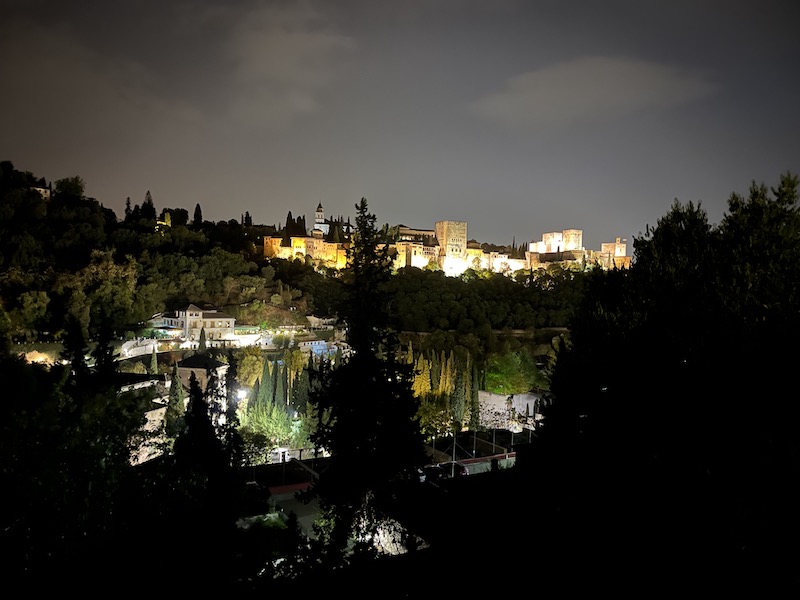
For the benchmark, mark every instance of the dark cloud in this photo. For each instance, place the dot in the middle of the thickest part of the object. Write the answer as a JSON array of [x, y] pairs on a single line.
[[518, 117], [589, 88]]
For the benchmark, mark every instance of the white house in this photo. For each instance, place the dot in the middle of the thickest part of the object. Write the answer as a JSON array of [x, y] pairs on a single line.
[[219, 326]]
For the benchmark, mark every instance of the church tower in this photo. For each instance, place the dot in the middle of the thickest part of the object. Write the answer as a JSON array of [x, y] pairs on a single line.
[[319, 219]]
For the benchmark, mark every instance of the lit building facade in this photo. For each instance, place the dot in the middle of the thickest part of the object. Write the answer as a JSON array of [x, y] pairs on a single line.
[[219, 327], [447, 247]]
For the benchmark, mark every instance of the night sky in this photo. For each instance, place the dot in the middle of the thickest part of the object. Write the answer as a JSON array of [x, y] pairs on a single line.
[[518, 117]]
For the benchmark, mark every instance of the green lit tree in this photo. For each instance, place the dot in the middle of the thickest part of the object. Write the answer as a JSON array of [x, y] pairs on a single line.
[[153, 362], [176, 406]]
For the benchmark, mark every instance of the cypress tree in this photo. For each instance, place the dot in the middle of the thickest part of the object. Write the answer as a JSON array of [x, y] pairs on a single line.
[[473, 398], [458, 400], [176, 406], [300, 391], [202, 346], [266, 388], [148, 210], [154, 362], [275, 371], [232, 389], [252, 399], [280, 385], [422, 377], [74, 350], [436, 370]]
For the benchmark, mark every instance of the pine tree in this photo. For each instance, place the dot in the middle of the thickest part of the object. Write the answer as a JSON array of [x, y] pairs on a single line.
[[279, 424], [197, 221], [148, 210], [205, 486], [369, 422]]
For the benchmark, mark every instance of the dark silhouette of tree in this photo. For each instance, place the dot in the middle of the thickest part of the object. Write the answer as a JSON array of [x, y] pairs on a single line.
[[74, 352], [368, 409], [232, 389], [103, 355], [202, 345], [302, 387], [148, 209], [178, 217], [70, 187], [205, 486], [699, 443], [67, 445], [197, 219]]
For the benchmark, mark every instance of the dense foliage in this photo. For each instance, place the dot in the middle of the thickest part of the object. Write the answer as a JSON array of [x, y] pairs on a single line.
[[674, 394], [368, 412], [672, 432]]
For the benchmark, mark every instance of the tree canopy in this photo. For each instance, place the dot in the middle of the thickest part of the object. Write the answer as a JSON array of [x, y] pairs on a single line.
[[369, 412], [673, 383]]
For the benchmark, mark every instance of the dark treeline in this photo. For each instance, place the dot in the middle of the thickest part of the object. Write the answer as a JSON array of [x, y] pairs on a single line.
[[68, 255], [668, 458], [675, 429]]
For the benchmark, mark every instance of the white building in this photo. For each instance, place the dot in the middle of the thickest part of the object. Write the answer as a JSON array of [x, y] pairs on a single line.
[[219, 327]]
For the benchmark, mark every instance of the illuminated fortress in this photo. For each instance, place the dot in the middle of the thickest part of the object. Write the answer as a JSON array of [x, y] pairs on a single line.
[[446, 247]]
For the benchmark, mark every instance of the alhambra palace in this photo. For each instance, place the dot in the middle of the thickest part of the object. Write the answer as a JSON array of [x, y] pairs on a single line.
[[446, 247]]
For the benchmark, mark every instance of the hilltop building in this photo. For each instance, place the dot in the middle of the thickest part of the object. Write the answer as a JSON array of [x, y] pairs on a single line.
[[326, 243], [447, 247], [613, 254]]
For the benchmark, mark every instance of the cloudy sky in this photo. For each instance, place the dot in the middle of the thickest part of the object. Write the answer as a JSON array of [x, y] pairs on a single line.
[[519, 117]]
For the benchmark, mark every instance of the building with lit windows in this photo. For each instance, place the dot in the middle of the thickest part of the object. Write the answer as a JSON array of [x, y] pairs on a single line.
[[447, 247], [190, 321]]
